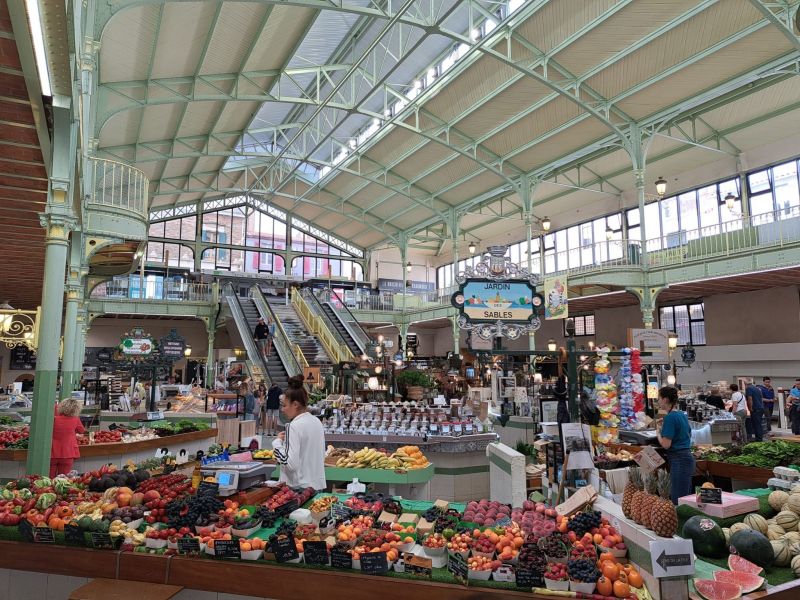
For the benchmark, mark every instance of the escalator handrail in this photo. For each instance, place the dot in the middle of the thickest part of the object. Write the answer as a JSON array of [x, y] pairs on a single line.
[[316, 308], [286, 348], [337, 351], [350, 323], [241, 324]]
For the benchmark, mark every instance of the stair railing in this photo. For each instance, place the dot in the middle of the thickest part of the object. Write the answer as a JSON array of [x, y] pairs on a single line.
[[349, 322], [289, 352], [336, 351], [258, 369], [316, 309]]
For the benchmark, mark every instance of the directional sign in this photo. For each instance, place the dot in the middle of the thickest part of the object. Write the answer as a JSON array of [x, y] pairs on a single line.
[[672, 557]]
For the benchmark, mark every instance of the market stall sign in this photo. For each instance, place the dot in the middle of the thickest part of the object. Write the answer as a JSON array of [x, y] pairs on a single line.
[[374, 563], [74, 536], [137, 346], [457, 565], [418, 566], [102, 540], [654, 341], [190, 545], [671, 558], [227, 549], [341, 559], [284, 549], [172, 345], [528, 577], [709, 496], [26, 530], [315, 553], [43, 535]]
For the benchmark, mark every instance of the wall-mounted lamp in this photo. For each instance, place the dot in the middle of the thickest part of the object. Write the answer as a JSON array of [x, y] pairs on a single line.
[[672, 340], [661, 187], [551, 345], [730, 201], [546, 223], [471, 247]]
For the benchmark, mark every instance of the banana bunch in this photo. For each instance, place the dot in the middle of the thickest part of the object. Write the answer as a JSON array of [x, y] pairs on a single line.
[[369, 458], [131, 536], [263, 454]]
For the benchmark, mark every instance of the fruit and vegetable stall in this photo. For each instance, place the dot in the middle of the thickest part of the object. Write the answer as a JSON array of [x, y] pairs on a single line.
[[161, 528]]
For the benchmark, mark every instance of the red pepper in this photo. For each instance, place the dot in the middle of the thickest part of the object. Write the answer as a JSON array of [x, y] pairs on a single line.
[[29, 505]]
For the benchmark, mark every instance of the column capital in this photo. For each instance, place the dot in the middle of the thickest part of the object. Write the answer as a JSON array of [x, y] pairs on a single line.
[[58, 225], [639, 177]]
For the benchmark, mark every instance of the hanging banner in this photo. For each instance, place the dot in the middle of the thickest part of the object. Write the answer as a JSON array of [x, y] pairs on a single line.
[[555, 298]]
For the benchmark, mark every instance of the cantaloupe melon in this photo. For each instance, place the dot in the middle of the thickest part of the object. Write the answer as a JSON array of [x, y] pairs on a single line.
[[756, 522], [777, 499], [793, 537], [794, 503], [782, 554], [775, 532], [739, 527], [787, 519], [795, 564]]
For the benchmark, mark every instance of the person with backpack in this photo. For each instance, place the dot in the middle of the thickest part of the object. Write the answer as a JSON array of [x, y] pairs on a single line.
[[738, 406]]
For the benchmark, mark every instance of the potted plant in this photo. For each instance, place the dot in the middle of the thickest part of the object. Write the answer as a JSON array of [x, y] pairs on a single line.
[[413, 383]]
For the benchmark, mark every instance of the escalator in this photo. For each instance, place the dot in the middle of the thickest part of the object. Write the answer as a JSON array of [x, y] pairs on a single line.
[[245, 315], [341, 321]]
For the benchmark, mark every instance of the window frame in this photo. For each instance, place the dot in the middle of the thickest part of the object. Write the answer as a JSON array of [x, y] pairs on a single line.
[[688, 306], [583, 319]]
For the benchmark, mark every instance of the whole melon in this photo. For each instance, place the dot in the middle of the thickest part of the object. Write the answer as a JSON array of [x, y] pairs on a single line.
[[794, 503], [753, 546], [795, 564], [775, 532], [787, 519], [777, 499], [756, 522], [793, 537], [726, 531], [795, 488], [707, 537], [739, 527], [794, 549], [782, 555], [785, 506]]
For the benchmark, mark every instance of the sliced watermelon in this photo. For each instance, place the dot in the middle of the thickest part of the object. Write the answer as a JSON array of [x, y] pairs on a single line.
[[748, 581], [742, 565], [717, 590]]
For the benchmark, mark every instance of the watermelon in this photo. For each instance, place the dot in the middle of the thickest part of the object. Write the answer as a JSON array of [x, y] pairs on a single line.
[[707, 537], [742, 565], [747, 581], [753, 546], [717, 590]]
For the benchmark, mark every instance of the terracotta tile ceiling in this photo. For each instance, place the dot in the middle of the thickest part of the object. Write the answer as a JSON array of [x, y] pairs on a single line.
[[23, 181]]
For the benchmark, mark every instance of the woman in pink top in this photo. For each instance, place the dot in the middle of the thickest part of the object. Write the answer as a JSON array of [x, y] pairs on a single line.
[[66, 424]]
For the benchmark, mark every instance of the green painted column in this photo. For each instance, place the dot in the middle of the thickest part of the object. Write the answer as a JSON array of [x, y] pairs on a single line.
[[46, 379], [456, 336], [71, 325], [210, 360]]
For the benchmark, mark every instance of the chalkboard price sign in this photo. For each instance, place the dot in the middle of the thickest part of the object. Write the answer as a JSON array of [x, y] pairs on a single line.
[[341, 559], [102, 540], [73, 536], [188, 545], [457, 565], [26, 530], [374, 563], [529, 578], [315, 553], [43, 535], [710, 496], [284, 549], [418, 566], [227, 549]]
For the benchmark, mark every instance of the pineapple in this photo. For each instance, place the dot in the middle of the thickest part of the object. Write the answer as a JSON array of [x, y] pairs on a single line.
[[634, 485], [638, 502], [651, 496], [663, 516]]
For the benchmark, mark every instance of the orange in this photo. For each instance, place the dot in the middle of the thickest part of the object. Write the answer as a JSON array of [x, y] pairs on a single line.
[[245, 547], [610, 571], [621, 589], [605, 586], [635, 579], [608, 556]]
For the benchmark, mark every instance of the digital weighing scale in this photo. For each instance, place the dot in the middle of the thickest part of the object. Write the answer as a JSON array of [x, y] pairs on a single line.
[[236, 476], [646, 437]]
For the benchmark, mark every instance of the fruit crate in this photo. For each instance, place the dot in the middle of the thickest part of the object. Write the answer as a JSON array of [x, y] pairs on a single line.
[[775, 483]]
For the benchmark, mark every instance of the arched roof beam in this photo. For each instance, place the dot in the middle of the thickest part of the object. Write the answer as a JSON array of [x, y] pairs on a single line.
[[782, 18]]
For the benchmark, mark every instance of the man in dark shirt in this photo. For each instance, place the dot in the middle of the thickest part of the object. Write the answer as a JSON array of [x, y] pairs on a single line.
[[261, 336], [768, 396], [273, 404], [755, 404], [715, 400]]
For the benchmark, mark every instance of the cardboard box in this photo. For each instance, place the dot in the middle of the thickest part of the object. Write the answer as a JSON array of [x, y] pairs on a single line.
[[387, 517], [410, 518], [732, 505], [424, 527], [441, 505]]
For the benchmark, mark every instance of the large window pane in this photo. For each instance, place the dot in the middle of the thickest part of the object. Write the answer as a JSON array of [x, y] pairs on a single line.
[[188, 227], [687, 208], [787, 196], [681, 315], [762, 208], [709, 210], [652, 221], [156, 230], [759, 182]]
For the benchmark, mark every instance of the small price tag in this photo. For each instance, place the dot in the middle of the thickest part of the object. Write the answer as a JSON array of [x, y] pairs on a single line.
[[341, 559], [102, 540], [468, 429], [74, 536], [315, 553], [188, 545], [374, 563], [710, 496], [208, 488], [457, 565], [418, 566], [155, 416], [528, 577], [43, 535], [227, 549], [26, 530], [284, 549]]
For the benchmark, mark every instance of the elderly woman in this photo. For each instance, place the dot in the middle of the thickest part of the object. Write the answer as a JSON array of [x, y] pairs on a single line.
[[64, 449]]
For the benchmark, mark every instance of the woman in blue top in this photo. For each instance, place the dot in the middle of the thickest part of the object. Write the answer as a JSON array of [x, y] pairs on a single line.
[[675, 436]]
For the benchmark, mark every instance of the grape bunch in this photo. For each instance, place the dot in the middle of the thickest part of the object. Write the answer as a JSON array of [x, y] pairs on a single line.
[[583, 570], [582, 522], [445, 522], [287, 528], [268, 517], [532, 557], [553, 546], [192, 510]]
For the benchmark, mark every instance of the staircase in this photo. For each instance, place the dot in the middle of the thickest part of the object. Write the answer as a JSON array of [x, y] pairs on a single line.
[[309, 344], [275, 369], [334, 320]]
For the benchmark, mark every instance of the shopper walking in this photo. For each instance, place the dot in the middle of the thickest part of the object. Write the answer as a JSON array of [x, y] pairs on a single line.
[[271, 338], [271, 411], [675, 436], [249, 401], [755, 405], [261, 336], [261, 406], [768, 396], [793, 406], [300, 449], [738, 406], [64, 449]]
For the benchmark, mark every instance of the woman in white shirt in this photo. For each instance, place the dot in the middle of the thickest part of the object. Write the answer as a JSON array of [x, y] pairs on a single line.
[[300, 448], [738, 406]]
